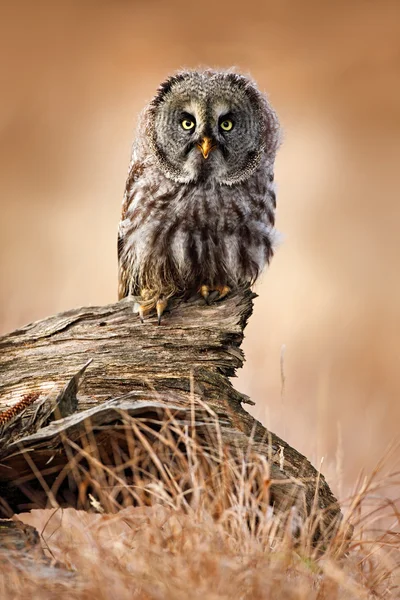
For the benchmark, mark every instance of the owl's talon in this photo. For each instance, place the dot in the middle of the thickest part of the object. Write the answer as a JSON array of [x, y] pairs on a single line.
[[214, 295], [161, 305], [211, 294], [205, 292], [223, 291], [141, 312], [143, 309]]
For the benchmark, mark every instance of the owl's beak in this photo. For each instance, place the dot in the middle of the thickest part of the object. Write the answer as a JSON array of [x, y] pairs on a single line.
[[206, 146]]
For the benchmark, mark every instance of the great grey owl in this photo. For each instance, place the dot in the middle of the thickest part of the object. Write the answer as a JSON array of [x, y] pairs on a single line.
[[198, 210]]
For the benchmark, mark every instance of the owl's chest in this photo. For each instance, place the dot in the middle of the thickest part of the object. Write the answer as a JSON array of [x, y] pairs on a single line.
[[167, 216], [207, 211]]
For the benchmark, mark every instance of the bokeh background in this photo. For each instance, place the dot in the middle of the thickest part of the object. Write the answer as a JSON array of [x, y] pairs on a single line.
[[75, 73]]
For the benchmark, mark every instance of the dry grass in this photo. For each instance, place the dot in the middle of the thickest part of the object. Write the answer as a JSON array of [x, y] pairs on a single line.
[[203, 527]]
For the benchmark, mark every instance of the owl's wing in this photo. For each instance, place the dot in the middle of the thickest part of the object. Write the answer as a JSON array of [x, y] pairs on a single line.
[[123, 272], [126, 284]]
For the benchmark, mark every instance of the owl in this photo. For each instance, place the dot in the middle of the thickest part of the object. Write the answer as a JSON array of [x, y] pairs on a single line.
[[199, 206]]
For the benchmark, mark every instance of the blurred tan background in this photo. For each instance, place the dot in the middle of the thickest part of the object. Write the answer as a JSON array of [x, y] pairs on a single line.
[[74, 75]]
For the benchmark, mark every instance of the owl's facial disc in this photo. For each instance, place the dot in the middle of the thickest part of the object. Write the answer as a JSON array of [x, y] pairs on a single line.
[[208, 126]]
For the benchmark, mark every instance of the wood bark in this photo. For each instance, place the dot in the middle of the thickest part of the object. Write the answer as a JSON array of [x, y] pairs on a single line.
[[91, 369]]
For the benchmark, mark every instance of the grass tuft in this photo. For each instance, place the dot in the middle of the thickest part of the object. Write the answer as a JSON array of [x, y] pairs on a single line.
[[175, 517]]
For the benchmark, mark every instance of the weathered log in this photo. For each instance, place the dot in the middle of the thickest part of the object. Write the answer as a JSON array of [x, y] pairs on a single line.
[[21, 554], [16, 536], [137, 372]]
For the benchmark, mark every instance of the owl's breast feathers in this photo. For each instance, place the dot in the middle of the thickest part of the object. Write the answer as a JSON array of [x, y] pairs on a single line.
[[175, 237]]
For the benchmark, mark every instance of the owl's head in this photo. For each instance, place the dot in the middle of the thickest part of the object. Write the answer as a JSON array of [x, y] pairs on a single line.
[[209, 125]]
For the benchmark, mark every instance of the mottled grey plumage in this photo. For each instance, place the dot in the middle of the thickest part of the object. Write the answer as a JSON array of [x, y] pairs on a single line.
[[199, 201]]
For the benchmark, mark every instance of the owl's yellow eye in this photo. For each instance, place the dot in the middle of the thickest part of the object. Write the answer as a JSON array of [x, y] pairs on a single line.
[[226, 124], [188, 124]]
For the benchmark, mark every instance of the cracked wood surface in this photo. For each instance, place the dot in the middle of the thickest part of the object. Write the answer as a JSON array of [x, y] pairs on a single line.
[[141, 370]]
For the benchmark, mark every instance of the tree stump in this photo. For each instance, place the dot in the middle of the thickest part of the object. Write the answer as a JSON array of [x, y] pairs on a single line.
[[83, 377]]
